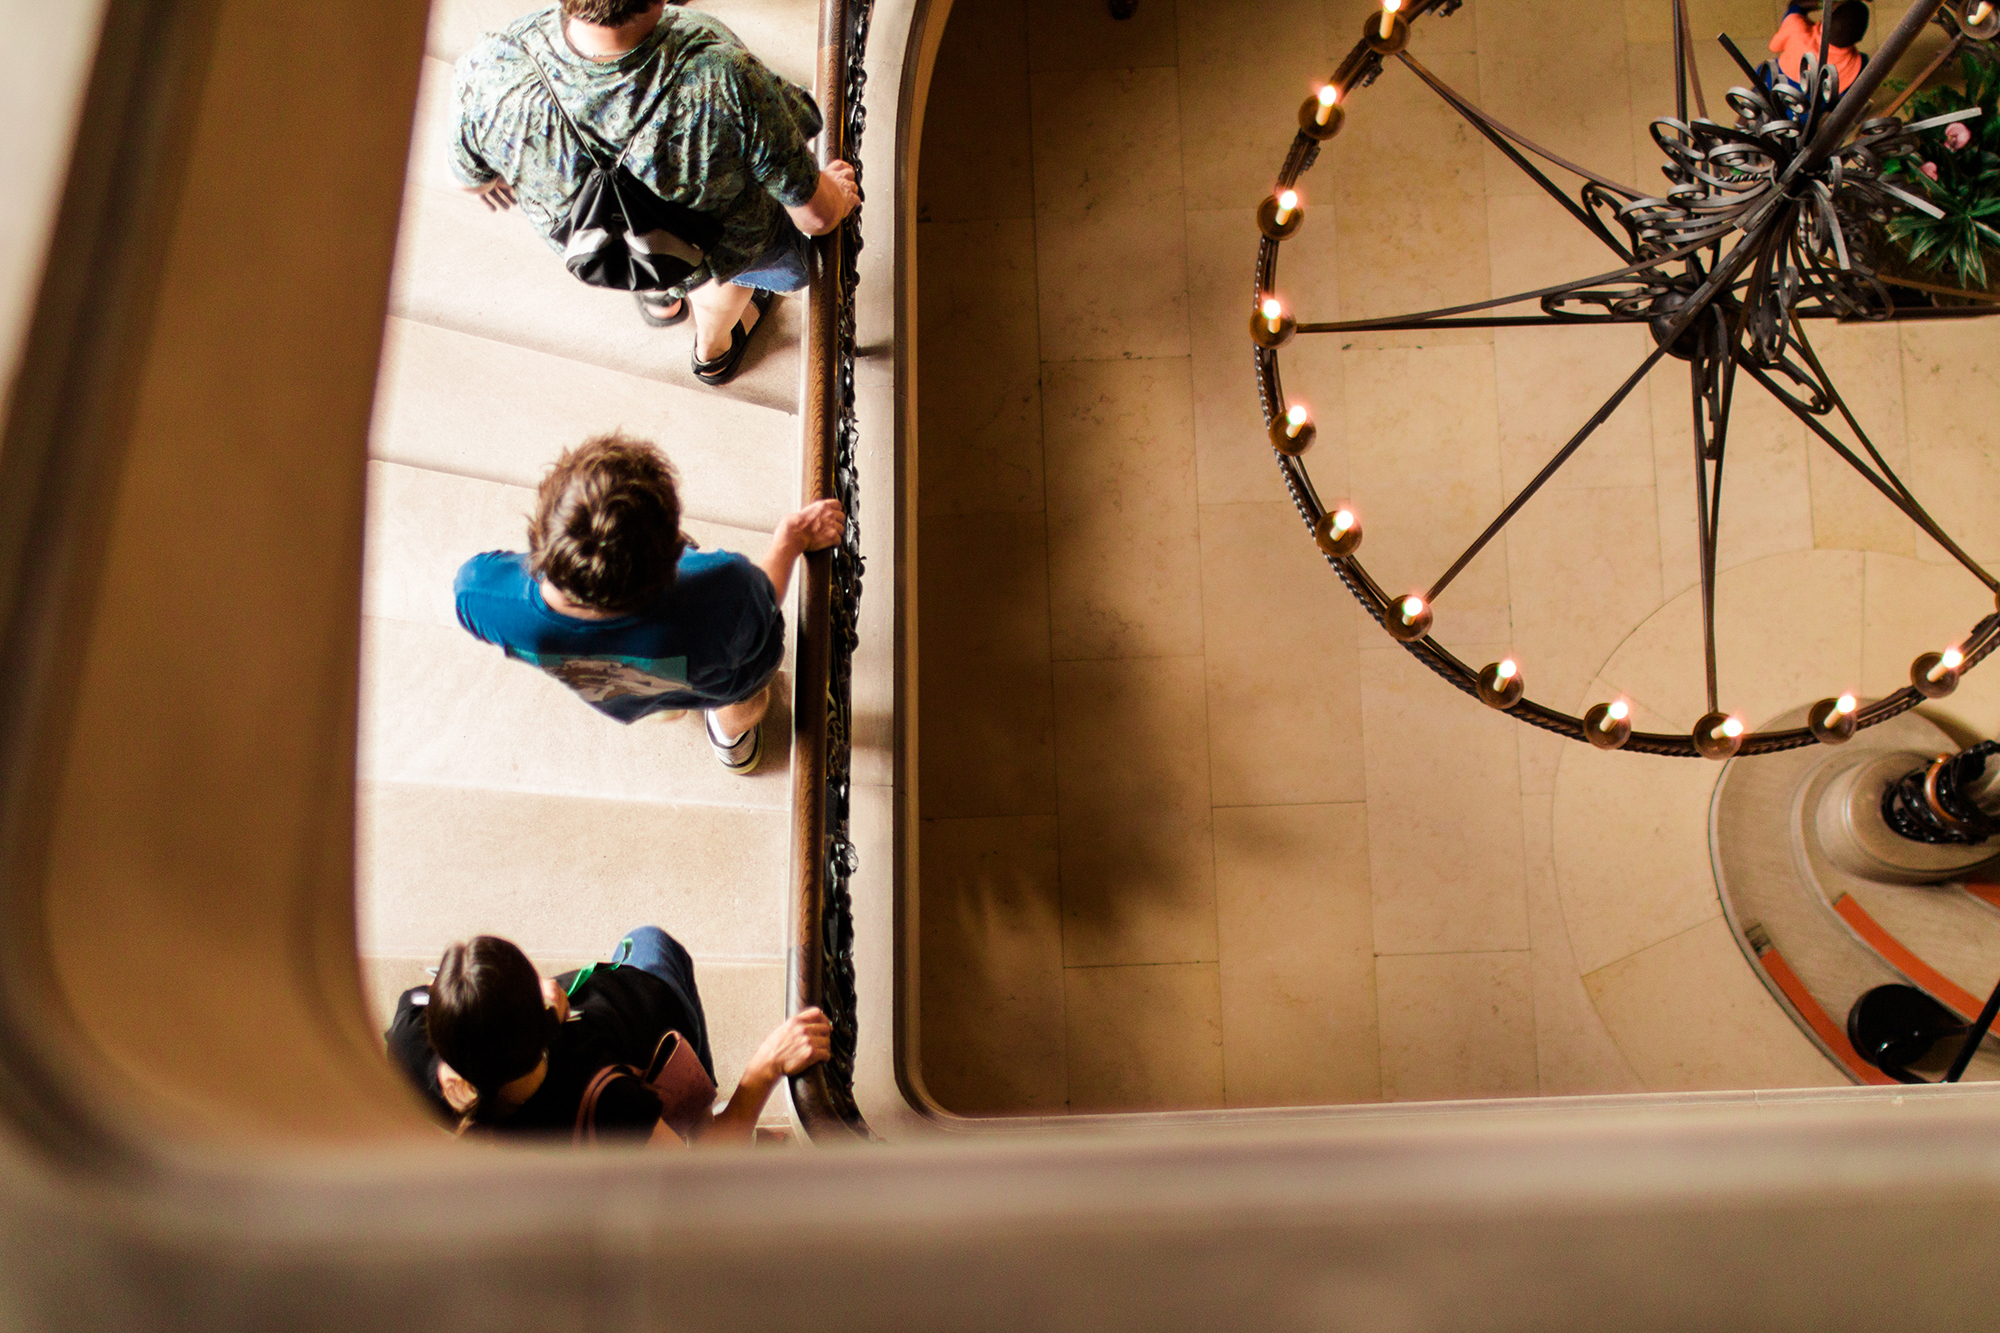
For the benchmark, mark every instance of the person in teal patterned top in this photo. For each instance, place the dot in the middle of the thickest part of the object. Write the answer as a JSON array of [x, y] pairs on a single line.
[[708, 125]]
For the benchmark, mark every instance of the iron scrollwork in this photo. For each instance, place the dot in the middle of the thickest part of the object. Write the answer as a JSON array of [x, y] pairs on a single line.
[[838, 996]]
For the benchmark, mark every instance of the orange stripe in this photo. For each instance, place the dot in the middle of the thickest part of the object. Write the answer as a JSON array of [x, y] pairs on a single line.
[[1984, 891], [1928, 978], [1810, 1010]]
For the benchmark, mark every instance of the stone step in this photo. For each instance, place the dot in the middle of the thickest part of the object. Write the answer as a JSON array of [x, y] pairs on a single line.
[[561, 875], [742, 1000], [453, 402], [464, 267]]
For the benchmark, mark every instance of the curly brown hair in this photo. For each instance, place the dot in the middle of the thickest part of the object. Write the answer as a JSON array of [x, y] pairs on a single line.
[[605, 13], [606, 530]]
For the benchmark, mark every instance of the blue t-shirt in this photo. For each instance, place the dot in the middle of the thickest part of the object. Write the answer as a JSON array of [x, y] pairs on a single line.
[[712, 638]]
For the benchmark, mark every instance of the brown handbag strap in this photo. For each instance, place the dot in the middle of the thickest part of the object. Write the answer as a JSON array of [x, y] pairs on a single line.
[[586, 1109]]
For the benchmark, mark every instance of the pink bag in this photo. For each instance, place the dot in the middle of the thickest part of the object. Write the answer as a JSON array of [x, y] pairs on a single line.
[[686, 1093]]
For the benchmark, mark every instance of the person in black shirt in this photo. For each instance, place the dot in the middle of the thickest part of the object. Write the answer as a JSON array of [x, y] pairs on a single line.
[[494, 1046]]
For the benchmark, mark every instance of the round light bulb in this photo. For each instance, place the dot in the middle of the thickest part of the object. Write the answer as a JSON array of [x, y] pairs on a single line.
[[1297, 415], [1271, 308], [1731, 727], [1953, 659], [1289, 199], [1844, 704], [1412, 607], [1329, 95], [1391, 6], [1618, 711], [1507, 669], [1342, 520]]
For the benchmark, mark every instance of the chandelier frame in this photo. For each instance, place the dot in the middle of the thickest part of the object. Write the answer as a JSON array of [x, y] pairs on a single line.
[[1771, 197]]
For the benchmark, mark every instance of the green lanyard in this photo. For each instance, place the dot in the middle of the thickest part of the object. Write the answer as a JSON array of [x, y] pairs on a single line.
[[589, 970]]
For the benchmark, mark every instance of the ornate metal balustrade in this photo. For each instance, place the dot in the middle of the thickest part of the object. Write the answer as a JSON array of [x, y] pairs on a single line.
[[823, 857]]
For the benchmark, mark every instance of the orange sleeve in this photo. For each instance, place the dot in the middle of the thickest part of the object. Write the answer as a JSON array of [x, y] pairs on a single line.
[[1794, 31]]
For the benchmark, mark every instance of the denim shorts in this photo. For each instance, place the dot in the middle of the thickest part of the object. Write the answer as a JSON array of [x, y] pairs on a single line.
[[782, 267]]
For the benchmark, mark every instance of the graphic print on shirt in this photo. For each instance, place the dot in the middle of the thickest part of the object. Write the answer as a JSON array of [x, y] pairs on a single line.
[[611, 677]]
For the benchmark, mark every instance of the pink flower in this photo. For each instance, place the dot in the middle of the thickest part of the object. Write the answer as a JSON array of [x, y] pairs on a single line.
[[1930, 169], [1956, 136]]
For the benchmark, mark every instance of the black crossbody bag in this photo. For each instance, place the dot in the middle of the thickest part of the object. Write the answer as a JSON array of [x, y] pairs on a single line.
[[619, 233]]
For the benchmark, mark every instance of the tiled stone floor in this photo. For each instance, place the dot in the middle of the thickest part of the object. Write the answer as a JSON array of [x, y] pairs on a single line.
[[1193, 833]]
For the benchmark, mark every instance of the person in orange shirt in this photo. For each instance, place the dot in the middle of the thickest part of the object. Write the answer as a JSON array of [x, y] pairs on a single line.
[[1798, 37]]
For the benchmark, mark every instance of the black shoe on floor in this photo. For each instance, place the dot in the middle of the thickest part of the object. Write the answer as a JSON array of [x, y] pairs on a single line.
[[723, 369]]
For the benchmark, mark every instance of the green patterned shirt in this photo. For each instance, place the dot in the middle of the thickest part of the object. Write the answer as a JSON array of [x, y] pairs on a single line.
[[715, 129]]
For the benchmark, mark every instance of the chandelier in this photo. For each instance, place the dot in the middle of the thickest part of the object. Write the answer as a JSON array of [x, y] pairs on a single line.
[[1767, 224]]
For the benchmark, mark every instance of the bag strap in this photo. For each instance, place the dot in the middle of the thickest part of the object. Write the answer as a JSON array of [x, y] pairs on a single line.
[[586, 1109], [549, 86]]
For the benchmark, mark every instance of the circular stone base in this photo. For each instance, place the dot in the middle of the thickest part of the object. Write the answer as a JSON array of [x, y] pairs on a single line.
[[1789, 838], [1845, 804]]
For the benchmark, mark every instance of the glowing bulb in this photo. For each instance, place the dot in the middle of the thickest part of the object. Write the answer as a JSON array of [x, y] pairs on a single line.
[[1273, 313], [1389, 8], [1844, 704], [1730, 727], [1412, 608], [1342, 520], [1507, 669], [1327, 97], [1614, 714], [1288, 204], [1953, 659], [1295, 420]]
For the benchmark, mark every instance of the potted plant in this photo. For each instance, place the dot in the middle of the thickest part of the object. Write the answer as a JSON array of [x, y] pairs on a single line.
[[1957, 168]]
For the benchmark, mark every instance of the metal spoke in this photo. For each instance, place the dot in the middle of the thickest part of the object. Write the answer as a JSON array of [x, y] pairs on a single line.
[[1561, 289], [1683, 319], [1702, 392], [1684, 62], [1491, 129], [1487, 322], [1908, 505]]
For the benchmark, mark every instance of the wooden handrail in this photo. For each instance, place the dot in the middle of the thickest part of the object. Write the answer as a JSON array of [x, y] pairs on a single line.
[[821, 920]]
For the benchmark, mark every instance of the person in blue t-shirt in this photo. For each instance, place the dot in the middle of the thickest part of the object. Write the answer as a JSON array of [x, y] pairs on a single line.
[[610, 600]]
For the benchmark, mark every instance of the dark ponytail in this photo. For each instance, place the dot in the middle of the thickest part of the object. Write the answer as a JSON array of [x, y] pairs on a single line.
[[487, 1018]]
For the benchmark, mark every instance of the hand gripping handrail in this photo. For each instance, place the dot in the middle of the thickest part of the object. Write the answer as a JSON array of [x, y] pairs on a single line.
[[822, 954]]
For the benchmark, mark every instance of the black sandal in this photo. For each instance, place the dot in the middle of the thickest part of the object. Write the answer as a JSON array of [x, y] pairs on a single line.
[[723, 369], [658, 322]]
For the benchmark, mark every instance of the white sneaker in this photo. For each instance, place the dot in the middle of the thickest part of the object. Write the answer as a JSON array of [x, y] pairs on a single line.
[[739, 756]]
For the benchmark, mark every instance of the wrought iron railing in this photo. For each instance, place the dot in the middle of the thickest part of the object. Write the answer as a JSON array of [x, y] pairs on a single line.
[[823, 857]]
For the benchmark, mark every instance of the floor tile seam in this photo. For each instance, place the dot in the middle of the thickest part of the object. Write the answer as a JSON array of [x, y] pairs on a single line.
[[383, 781], [1293, 805], [1448, 953], [489, 337], [947, 819], [1627, 957], [1136, 657], [1170, 962], [1106, 360]]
